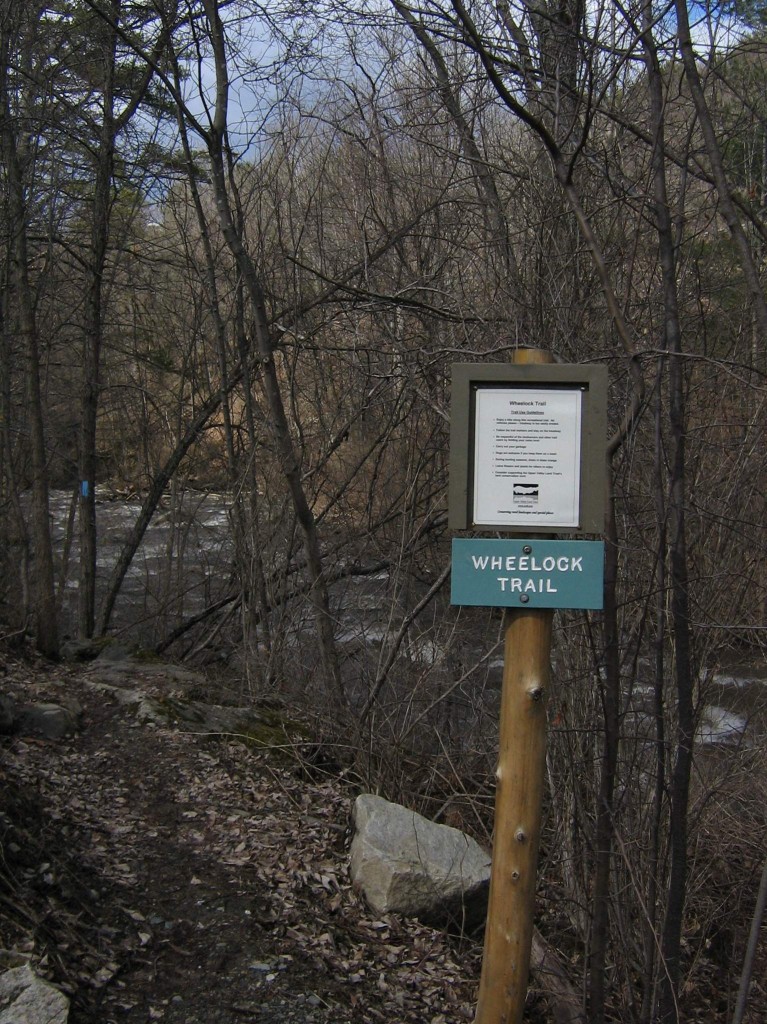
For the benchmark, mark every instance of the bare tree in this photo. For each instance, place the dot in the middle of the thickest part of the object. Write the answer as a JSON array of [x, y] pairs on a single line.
[[16, 51]]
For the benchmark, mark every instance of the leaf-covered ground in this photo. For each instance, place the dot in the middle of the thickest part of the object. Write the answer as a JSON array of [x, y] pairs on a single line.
[[161, 874], [158, 875]]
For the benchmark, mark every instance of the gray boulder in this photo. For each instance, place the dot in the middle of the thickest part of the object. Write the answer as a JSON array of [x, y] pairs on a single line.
[[27, 999], [51, 721], [404, 863]]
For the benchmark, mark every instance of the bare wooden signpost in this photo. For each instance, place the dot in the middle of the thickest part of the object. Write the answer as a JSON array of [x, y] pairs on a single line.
[[527, 459]]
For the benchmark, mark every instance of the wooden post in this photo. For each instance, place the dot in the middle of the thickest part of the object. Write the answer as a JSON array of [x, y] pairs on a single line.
[[518, 799]]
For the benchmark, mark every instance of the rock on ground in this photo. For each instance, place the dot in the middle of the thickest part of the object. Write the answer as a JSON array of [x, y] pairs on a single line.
[[406, 864], [27, 999]]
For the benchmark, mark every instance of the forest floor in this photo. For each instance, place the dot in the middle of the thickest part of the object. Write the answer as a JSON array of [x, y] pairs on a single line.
[[158, 868], [158, 875]]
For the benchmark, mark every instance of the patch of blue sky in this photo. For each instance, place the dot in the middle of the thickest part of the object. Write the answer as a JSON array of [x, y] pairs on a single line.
[[715, 26], [270, 63]]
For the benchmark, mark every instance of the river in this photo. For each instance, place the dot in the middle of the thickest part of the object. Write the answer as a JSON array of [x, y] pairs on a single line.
[[186, 560]]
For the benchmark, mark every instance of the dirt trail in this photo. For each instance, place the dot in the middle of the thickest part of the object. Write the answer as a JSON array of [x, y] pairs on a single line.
[[163, 876]]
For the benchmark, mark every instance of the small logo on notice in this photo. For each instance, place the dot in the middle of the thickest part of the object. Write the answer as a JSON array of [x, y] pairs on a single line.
[[526, 494]]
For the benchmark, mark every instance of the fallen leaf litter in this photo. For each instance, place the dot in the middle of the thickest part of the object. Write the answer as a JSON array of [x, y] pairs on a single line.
[[199, 880]]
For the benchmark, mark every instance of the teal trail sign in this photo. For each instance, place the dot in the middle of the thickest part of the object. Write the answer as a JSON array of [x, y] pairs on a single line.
[[528, 573]]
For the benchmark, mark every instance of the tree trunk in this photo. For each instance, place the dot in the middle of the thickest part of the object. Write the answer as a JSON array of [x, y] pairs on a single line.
[[278, 424], [680, 779], [47, 637], [603, 839], [92, 334]]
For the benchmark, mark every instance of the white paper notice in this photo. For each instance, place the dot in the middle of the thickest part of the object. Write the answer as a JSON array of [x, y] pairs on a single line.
[[527, 457]]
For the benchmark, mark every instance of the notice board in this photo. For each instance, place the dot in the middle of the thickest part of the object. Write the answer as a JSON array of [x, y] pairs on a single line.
[[527, 447]]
